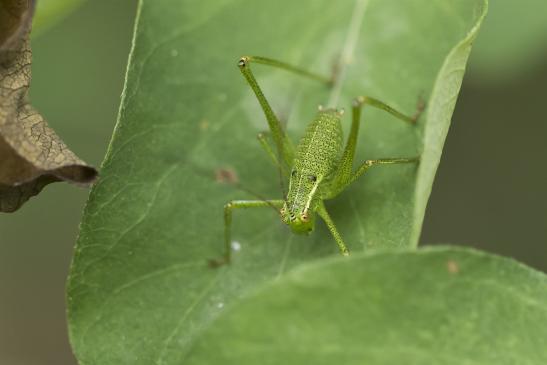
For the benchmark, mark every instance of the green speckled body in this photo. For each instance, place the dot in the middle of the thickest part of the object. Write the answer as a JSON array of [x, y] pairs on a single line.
[[317, 157]]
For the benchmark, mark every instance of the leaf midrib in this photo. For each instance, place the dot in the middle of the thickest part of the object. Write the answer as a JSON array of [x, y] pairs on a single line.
[[352, 36]]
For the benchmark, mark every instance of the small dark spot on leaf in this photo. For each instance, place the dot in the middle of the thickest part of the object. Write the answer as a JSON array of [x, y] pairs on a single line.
[[226, 176], [452, 267], [203, 125], [216, 263]]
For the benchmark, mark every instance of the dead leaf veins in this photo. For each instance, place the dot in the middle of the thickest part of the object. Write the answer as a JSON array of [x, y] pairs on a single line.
[[31, 154]]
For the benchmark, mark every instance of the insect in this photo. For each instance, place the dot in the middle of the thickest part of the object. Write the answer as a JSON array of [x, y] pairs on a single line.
[[318, 168]]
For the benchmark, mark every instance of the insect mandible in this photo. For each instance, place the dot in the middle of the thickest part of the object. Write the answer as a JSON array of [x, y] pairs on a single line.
[[318, 168]]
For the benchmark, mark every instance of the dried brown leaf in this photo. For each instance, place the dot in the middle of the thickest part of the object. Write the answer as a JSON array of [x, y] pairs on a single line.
[[15, 16], [31, 154]]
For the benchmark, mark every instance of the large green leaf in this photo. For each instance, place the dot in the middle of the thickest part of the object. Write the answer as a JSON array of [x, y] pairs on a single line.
[[433, 306], [50, 12], [140, 289]]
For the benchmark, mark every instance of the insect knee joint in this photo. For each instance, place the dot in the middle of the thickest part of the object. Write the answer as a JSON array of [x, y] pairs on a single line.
[[359, 101], [243, 62]]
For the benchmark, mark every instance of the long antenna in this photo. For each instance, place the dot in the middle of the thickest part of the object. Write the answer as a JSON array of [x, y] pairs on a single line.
[[280, 174], [281, 184], [279, 162], [256, 195]]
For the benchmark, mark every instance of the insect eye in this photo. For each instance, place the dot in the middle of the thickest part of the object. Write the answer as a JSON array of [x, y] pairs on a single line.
[[293, 173], [312, 178]]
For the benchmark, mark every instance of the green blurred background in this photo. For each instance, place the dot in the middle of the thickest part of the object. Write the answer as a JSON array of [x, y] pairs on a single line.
[[490, 191]]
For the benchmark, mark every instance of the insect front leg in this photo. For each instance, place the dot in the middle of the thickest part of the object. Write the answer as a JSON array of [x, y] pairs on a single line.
[[228, 209], [322, 211]]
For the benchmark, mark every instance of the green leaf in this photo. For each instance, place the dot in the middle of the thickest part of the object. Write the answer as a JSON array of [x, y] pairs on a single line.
[[49, 12], [140, 289], [432, 306], [512, 40]]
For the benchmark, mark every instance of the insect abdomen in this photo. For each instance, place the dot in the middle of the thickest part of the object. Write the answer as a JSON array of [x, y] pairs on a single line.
[[316, 157]]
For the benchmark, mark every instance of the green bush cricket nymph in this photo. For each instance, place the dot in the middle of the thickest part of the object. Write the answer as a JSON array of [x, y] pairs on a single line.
[[319, 168]]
